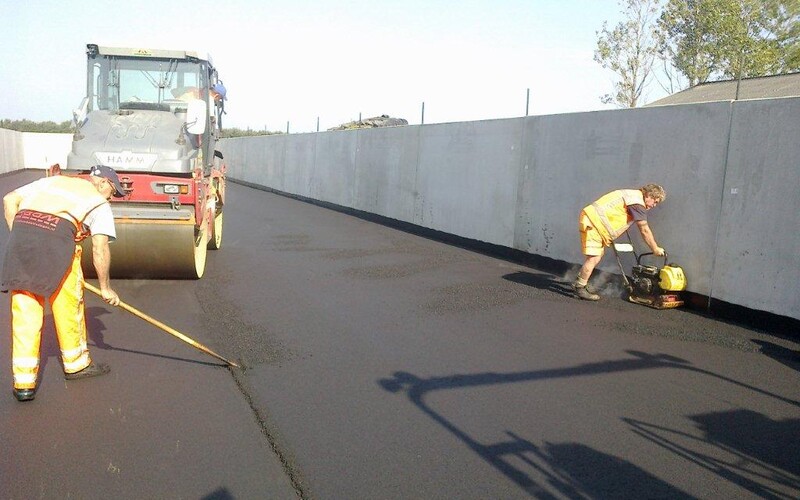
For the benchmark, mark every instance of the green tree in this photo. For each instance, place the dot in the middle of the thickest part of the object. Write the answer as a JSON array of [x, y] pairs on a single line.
[[40, 127], [230, 132], [709, 39], [629, 50], [783, 23]]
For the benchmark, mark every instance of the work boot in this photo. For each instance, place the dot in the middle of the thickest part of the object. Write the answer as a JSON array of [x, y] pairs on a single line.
[[93, 370], [24, 394], [582, 292]]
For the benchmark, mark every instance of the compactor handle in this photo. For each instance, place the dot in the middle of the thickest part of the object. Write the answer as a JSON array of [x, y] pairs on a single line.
[[639, 258]]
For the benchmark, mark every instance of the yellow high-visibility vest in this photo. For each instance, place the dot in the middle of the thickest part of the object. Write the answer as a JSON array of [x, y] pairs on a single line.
[[610, 216]]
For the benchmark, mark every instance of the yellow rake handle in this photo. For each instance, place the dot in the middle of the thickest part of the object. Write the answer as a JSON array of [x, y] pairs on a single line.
[[161, 325]]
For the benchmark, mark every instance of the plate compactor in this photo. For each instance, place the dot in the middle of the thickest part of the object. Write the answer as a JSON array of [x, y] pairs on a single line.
[[652, 286]]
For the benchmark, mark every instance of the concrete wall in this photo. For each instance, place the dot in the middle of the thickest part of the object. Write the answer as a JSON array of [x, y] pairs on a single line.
[[730, 170], [758, 244], [11, 151], [467, 176], [32, 150], [43, 150]]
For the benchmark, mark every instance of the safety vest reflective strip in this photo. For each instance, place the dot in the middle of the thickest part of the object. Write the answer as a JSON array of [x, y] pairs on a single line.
[[70, 198], [609, 215]]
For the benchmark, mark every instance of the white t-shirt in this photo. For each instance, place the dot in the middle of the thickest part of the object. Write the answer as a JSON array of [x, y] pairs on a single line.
[[101, 221]]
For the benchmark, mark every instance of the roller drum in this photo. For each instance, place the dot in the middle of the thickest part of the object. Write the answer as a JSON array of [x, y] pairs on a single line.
[[153, 250]]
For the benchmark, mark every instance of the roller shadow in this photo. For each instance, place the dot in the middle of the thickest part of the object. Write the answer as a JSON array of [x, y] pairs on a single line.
[[505, 456], [755, 435], [574, 468], [751, 449], [589, 473]]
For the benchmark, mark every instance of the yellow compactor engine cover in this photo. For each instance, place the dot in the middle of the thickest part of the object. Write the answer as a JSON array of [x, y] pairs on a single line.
[[672, 278]]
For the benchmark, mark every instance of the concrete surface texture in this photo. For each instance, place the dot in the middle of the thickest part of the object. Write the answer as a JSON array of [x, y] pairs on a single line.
[[379, 364], [729, 169]]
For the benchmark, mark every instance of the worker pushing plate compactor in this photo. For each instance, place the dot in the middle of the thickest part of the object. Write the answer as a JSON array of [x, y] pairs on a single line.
[[649, 285], [154, 116]]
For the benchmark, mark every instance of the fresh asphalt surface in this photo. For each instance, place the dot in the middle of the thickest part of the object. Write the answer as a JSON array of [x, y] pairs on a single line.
[[381, 364]]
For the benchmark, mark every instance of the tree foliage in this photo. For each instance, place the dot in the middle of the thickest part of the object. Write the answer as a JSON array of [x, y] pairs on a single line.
[[701, 40], [707, 39], [629, 50], [40, 127], [783, 22], [237, 132]]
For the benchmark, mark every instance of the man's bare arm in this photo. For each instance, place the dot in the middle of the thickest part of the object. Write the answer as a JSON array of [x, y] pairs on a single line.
[[649, 239], [11, 203], [101, 258]]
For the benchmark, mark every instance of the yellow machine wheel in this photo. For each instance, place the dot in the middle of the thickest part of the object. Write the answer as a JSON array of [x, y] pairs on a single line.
[[200, 252], [215, 239]]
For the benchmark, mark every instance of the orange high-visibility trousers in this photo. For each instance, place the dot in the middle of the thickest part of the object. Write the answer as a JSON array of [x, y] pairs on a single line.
[[27, 318]]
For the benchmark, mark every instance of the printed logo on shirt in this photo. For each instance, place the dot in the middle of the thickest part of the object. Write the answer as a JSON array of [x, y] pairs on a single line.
[[38, 219]]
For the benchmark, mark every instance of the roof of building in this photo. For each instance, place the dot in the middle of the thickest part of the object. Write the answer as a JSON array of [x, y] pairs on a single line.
[[762, 87]]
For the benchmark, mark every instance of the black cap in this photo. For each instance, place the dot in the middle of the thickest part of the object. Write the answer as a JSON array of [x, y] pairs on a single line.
[[110, 174]]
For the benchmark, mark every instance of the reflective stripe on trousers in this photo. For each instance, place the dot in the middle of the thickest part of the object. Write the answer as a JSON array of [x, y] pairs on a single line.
[[27, 317]]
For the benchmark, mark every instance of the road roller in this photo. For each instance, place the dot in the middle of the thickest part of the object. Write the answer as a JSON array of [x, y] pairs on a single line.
[[154, 116]]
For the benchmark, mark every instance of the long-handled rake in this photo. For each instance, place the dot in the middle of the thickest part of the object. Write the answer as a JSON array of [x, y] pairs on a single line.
[[164, 327]]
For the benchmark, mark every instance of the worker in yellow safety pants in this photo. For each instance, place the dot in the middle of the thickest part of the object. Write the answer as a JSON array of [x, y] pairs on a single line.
[[607, 219], [47, 219]]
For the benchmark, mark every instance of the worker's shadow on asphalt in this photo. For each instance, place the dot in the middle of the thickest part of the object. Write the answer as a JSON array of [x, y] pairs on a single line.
[[542, 282], [95, 333], [95, 327]]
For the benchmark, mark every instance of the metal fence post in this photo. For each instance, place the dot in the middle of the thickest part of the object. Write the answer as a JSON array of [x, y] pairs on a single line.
[[527, 101]]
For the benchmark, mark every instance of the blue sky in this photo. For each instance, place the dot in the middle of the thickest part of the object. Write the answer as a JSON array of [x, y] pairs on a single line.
[[298, 60]]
